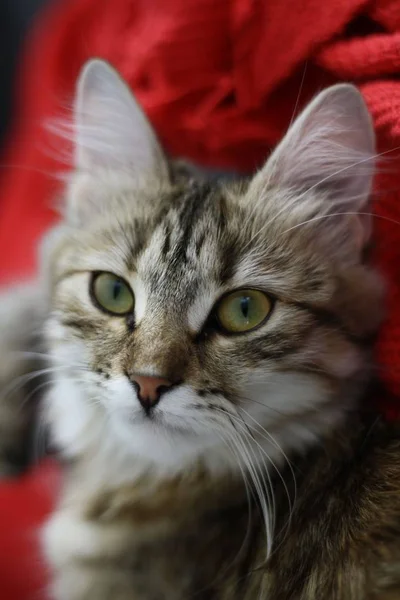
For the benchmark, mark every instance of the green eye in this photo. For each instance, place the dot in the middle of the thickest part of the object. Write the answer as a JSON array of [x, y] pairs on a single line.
[[243, 310], [112, 294]]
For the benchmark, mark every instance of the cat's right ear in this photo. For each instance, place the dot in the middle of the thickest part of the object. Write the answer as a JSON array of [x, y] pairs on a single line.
[[113, 140]]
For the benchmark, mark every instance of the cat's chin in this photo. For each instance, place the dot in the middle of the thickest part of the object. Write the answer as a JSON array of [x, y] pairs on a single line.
[[142, 443], [162, 440]]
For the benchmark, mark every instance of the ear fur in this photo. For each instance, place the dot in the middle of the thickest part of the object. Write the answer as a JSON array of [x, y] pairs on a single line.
[[115, 145], [325, 162], [111, 128]]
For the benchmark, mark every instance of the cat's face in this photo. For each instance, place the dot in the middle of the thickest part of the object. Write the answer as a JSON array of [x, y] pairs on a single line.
[[189, 318]]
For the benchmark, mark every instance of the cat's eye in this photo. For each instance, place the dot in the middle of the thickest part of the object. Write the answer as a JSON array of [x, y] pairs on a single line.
[[112, 294], [243, 310]]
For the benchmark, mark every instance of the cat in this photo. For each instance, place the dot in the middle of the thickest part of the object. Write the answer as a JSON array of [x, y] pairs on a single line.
[[207, 348]]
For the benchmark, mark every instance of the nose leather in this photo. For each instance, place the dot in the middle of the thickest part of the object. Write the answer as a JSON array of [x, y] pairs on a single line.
[[149, 389]]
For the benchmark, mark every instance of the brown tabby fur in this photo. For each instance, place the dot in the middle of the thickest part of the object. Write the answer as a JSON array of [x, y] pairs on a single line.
[[190, 537]]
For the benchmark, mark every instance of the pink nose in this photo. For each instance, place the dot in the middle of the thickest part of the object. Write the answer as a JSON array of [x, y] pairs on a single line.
[[149, 389]]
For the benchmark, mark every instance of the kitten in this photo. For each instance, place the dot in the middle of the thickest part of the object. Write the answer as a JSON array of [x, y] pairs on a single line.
[[210, 367]]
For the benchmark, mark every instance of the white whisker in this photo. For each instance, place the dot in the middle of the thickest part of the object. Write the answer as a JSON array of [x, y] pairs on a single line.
[[20, 381], [264, 492], [303, 77], [273, 441], [340, 214], [296, 197]]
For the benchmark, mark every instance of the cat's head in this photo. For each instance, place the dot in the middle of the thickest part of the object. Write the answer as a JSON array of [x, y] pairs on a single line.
[[191, 320]]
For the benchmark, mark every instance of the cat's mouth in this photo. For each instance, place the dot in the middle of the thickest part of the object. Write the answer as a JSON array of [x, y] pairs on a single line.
[[159, 420]]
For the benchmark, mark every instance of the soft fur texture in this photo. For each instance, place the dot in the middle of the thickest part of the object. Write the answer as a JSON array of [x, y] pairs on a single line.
[[261, 472]]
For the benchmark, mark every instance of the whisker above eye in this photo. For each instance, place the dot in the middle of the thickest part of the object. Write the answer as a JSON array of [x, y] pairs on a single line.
[[293, 201], [340, 214]]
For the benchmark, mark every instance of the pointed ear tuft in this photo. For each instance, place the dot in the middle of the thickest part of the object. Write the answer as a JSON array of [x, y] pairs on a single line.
[[112, 131], [326, 160]]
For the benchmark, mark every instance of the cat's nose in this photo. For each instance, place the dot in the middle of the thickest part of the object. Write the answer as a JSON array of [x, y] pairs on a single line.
[[149, 389]]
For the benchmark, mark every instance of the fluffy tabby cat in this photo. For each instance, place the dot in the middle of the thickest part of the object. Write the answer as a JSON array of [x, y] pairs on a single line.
[[207, 349]]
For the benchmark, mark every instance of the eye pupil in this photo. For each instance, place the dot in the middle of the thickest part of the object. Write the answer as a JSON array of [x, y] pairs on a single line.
[[245, 306], [116, 290]]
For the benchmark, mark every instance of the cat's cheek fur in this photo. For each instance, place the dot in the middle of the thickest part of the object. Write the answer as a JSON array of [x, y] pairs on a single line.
[[75, 424], [295, 409]]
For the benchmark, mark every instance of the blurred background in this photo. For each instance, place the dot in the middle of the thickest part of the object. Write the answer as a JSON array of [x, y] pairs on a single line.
[[16, 18]]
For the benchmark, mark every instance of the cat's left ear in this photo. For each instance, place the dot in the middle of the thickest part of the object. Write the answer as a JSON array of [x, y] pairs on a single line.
[[111, 130], [325, 165]]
